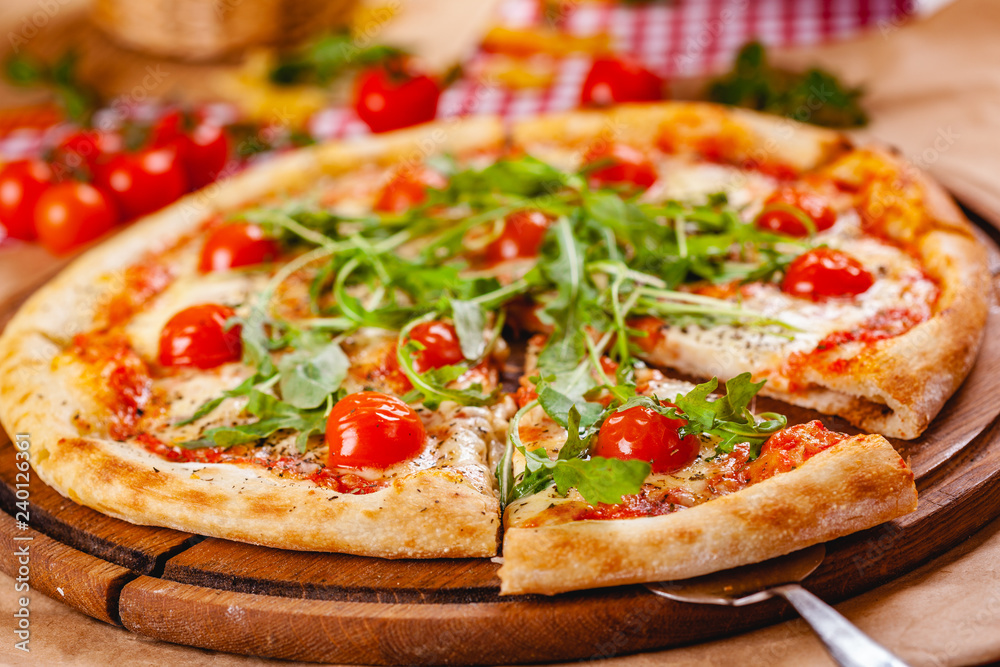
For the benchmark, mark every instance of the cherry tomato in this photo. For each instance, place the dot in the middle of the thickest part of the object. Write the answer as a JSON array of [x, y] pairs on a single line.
[[86, 149], [613, 80], [388, 99], [204, 152], [407, 188], [619, 164], [522, 236], [643, 433], [167, 129], [441, 346], [824, 273], [372, 430], [791, 447], [235, 245], [72, 213], [776, 218], [21, 185], [145, 181], [197, 336]]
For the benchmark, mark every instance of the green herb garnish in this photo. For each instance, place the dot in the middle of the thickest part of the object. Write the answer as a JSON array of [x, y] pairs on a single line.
[[814, 96]]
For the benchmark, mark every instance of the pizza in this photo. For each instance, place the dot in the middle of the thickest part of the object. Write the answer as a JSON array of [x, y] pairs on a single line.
[[435, 342]]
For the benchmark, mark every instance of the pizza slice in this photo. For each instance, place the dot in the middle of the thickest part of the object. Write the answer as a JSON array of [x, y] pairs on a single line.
[[653, 479], [877, 273]]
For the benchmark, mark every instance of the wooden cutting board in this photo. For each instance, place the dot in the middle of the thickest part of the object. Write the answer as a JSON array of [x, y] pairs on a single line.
[[240, 598]]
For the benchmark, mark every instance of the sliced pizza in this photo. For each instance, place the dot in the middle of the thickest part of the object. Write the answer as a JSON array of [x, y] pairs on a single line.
[[677, 483]]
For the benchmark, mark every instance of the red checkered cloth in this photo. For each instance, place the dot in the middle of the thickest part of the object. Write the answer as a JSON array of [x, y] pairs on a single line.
[[685, 38], [675, 39]]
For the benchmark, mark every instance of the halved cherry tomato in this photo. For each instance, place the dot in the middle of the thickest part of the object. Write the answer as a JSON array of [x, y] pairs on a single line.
[[197, 336], [407, 188], [21, 184], [791, 447], [235, 245], [522, 236], [645, 434], [824, 273], [613, 80], [776, 216], [145, 181], [72, 213], [619, 164], [370, 429], [441, 346], [388, 99]]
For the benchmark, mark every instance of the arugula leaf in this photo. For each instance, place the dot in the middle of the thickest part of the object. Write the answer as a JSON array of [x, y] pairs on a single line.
[[309, 375], [431, 387], [243, 389], [273, 415], [728, 418], [559, 406], [600, 480], [526, 176], [469, 321]]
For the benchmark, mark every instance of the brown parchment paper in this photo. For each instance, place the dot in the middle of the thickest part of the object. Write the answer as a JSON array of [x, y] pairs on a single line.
[[934, 92]]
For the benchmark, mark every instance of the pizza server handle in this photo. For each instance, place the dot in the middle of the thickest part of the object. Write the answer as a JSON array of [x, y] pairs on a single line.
[[849, 646]]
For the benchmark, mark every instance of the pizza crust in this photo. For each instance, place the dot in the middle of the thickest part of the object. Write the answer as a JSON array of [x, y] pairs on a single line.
[[856, 484], [898, 385], [431, 513]]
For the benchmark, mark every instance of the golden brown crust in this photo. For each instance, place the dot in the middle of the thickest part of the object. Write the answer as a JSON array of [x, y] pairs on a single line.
[[240, 502], [859, 483], [733, 135]]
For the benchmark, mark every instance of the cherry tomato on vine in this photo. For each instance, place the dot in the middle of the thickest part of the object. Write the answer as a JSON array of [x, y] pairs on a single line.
[[441, 346], [391, 98], [522, 236], [613, 80], [408, 188], [72, 213], [824, 273], [21, 185], [197, 336], [645, 434], [234, 245], [370, 429], [616, 164], [144, 181], [782, 211]]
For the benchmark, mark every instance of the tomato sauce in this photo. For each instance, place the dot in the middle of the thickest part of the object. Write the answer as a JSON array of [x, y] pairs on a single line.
[[124, 383], [282, 465], [784, 451], [883, 325], [141, 282]]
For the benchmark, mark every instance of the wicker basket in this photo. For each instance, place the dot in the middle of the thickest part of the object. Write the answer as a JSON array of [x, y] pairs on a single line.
[[211, 29]]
